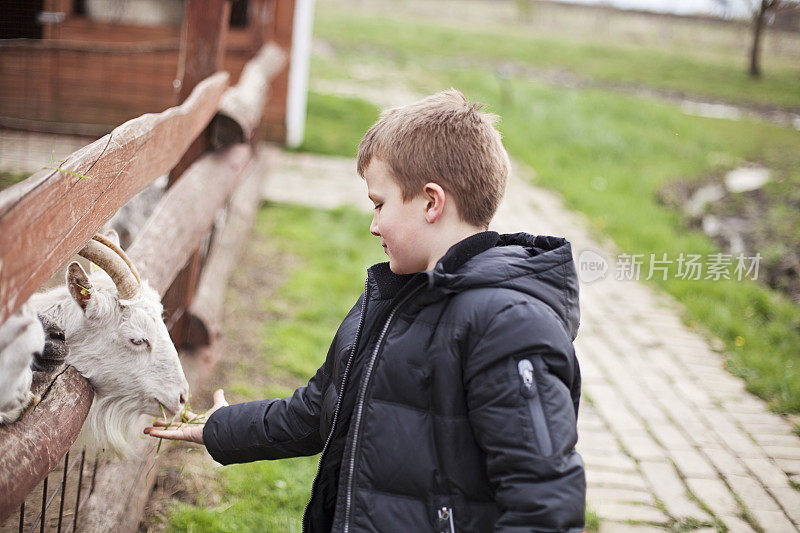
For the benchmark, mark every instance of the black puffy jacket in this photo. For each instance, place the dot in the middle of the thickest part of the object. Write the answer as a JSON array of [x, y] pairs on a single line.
[[461, 392]]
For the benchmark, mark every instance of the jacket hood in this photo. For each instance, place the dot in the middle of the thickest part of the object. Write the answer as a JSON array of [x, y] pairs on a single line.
[[539, 265]]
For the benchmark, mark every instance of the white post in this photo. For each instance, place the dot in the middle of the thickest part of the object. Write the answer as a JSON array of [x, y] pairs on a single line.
[[298, 72]]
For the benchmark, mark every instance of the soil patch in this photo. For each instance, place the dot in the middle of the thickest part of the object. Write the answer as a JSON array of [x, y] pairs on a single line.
[[765, 220]]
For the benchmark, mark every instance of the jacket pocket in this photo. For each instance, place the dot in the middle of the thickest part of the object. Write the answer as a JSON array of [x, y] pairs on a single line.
[[530, 390]]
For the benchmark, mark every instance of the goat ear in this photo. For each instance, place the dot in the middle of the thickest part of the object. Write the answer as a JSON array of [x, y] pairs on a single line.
[[80, 288], [112, 236]]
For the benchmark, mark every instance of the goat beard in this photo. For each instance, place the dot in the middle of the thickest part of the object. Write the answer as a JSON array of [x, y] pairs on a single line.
[[113, 425]]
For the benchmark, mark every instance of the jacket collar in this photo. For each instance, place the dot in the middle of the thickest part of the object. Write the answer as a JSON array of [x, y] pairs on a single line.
[[463, 251], [385, 284], [538, 265]]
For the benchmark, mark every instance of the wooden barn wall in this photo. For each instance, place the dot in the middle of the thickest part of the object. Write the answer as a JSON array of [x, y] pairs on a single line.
[[103, 74]]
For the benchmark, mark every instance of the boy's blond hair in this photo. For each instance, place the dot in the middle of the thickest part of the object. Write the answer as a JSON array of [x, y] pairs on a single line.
[[446, 140]]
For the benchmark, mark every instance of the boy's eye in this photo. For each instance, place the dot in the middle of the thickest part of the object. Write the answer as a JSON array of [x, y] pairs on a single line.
[[378, 206]]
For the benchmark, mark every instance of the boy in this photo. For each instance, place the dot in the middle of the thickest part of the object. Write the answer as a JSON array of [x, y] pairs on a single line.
[[449, 397]]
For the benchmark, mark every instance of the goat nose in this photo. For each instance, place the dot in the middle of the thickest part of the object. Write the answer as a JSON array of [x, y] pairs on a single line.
[[184, 399]]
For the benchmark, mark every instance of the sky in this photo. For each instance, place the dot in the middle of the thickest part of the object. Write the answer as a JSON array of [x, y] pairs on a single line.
[[735, 8]]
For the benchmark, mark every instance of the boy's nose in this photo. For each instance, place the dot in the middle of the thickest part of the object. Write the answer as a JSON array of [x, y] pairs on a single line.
[[373, 228]]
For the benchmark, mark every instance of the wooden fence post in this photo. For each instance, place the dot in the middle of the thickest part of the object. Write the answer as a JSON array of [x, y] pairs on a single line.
[[273, 124], [203, 37]]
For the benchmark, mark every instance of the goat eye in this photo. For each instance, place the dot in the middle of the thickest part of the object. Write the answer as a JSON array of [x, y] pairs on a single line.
[[139, 342]]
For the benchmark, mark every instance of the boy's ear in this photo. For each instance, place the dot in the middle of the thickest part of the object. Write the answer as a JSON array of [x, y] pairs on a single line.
[[435, 198], [80, 288]]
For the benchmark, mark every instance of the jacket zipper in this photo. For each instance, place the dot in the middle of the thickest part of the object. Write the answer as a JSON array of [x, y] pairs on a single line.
[[345, 375], [360, 407], [529, 391], [446, 524]]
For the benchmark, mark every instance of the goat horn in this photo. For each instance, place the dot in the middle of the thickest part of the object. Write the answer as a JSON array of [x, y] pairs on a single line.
[[115, 263], [103, 240]]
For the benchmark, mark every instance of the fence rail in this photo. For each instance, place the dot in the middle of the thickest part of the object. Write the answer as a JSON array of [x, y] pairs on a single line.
[[30, 448], [47, 218]]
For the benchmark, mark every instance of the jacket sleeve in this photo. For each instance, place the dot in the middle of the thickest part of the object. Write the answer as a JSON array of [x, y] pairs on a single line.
[[521, 377], [276, 428], [268, 429]]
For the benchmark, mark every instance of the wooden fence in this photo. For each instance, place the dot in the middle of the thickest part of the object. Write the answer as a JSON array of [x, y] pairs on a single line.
[[47, 218]]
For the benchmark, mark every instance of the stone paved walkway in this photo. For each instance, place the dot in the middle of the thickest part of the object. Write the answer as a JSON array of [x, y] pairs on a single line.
[[670, 439]]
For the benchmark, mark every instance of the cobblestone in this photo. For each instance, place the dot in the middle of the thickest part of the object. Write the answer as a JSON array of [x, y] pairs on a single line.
[[783, 452], [725, 462], [736, 524], [766, 471], [691, 463], [610, 478], [790, 466], [608, 460], [754, 496], [774, 521], [789, 498], [766, 439], [622, 511], [715, 494], [669, 488]]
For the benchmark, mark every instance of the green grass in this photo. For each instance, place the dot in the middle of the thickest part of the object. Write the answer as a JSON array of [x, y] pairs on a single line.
[[592, 521], [333, 249], [7, 179], [336, 124], [336, 248], [264, 496], [408, 41], [607, 154]]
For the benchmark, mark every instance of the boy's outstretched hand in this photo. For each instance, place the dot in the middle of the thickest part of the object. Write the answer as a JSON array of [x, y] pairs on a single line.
[[189, 427]]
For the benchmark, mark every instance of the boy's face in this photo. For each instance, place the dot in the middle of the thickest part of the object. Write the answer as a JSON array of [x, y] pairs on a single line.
[[400, 225]]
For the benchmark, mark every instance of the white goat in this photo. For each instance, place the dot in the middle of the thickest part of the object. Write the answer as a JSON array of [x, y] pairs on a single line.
[[117, 339], [21, 338]]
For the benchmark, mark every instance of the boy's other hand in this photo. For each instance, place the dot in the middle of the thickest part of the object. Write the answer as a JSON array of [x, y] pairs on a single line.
[[189, 427]]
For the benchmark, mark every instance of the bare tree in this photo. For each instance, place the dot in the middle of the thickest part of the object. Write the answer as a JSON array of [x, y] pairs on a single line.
[[760, 11]]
